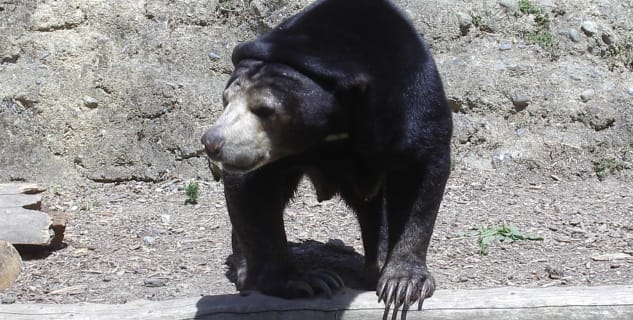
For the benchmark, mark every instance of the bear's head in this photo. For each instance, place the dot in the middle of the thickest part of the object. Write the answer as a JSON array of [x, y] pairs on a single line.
[[270, 111]]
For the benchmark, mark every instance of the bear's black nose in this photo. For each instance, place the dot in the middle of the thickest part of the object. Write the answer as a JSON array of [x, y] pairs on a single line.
[[213, 143]]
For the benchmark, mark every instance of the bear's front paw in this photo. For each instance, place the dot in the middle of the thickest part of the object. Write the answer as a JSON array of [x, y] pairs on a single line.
[[301, 284], [405, 287]]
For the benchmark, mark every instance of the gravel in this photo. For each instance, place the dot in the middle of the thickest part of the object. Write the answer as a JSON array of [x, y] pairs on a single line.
[[587, 95], [589, 28]]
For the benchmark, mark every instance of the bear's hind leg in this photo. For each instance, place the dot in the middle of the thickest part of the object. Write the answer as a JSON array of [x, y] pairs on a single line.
[[373, 230]]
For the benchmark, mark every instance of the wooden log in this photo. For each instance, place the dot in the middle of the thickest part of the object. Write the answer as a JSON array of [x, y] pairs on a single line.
[[26, 201], [10, 265], [22, 224], [58, 226], [26, 227], [20, 188], [555, 303], [20, 195]]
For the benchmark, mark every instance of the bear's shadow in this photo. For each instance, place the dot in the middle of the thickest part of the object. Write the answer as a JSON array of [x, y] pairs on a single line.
[[312, 255]]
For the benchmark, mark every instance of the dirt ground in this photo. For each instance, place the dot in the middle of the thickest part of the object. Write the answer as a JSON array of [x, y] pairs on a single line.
[[140, 241], [103, 103]]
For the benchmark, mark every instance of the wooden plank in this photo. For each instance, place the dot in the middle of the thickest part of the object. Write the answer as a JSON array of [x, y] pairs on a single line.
[[30, 227], [10, 265], [20, 188], [26, 201], [585, 303], [25, 227], [16, 195], [58, 226]]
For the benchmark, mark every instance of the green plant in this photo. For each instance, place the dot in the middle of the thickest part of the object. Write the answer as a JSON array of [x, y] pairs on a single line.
[[526, 7], [621, 54], [192, 190], [543, 38], [480, 24], [606, 166], [541, 19], [542, 35], [504, 233], [89, 205], [230, 6]]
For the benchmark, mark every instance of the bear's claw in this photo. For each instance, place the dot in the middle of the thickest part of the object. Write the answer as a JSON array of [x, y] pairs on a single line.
[[307, 284], [399, 292]]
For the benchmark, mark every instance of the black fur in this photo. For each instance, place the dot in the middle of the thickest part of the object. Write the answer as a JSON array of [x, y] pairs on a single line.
[[387, 95]]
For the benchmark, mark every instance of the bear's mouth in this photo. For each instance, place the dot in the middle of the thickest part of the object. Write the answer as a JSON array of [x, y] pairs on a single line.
[[336, 136], [240, 168], [235, 169]]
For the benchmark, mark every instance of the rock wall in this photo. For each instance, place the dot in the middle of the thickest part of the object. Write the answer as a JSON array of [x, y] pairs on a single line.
[[116, 91]]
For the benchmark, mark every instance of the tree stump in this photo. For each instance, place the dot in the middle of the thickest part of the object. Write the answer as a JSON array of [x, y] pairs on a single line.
[[10, 264]]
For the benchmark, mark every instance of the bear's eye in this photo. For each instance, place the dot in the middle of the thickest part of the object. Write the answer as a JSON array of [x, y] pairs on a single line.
[[262, 111]]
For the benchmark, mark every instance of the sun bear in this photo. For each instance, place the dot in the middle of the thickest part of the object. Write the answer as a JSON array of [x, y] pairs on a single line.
[[347, 93]]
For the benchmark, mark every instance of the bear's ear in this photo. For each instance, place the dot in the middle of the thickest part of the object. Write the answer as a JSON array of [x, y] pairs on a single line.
[[357, 84], [251, 50], [355, 95], [354, 91]]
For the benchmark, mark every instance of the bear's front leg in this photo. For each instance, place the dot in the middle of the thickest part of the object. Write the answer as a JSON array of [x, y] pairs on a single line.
[[255, 202], [413, 198]]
